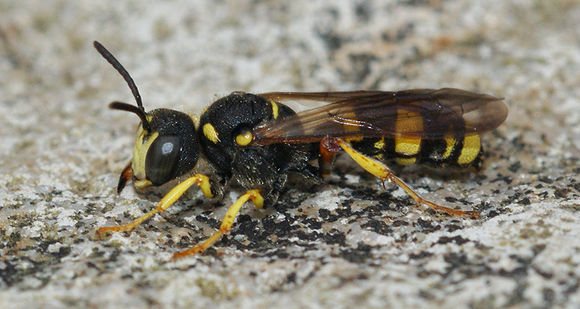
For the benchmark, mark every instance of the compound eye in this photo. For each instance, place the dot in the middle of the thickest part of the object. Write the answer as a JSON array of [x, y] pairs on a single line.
[[244, 138], [162, 158]]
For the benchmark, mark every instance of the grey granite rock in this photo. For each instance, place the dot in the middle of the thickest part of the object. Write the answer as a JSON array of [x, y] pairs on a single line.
[[346, 243]]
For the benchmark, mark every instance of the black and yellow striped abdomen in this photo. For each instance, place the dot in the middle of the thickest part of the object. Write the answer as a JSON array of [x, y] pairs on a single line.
[[458, 150]]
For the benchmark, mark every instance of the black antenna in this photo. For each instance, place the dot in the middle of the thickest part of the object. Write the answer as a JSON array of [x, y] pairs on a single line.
[[133, 109], [140, 110]]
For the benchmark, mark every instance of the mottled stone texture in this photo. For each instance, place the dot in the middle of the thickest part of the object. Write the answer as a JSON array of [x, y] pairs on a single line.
[[343, 244]]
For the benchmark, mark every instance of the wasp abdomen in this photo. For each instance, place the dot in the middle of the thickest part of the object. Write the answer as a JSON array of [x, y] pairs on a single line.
[[460, 152]]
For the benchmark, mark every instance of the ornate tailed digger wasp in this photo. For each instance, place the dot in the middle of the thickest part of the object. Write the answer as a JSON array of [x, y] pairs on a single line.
[[258, 141]]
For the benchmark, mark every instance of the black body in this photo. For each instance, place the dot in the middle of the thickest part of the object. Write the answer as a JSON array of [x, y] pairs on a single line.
[[258, 141], [254, 167]]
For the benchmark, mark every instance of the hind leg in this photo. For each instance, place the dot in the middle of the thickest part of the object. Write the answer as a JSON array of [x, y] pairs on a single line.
[[380, 170]]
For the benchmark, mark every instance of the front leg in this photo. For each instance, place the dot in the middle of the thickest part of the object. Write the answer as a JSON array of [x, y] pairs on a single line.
[[169, 199]]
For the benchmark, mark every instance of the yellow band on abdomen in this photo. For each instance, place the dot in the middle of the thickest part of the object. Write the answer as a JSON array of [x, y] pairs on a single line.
[[408, 122], [408, 146], [470, 149]]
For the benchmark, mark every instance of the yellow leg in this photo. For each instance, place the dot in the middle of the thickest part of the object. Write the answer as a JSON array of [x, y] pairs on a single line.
[[382, 171], [168, 200], [253, 195]]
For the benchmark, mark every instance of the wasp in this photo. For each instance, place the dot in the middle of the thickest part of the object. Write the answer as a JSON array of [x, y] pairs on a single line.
[[258, 141]]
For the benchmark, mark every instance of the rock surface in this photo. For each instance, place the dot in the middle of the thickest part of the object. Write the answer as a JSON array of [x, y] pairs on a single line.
[[343, 244]]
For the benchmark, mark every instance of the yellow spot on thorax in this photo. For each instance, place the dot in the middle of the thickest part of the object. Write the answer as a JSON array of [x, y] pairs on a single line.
[[407, 122], [210, 133], [470, 150], [244, 138], [274, 109]]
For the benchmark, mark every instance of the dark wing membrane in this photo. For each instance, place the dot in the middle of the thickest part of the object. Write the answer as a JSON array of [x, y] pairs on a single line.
[[319, 96], [425, 113]]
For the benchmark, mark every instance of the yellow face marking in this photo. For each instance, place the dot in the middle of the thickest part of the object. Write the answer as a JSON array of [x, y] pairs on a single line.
[[380, 144], [142, 145], [407, 122], [274, 109], [470, 150], [210, 132], [450, 142], [244, 139], [405, 161]]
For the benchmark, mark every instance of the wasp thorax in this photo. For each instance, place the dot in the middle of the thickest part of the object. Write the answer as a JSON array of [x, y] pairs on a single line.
[[166, 151]]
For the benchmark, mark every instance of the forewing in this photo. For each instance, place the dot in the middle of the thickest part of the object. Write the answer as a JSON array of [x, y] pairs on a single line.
[[319, 96], [427, 113]]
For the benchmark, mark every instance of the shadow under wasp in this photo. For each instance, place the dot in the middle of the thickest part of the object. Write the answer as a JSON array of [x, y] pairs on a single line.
[[258, 141]]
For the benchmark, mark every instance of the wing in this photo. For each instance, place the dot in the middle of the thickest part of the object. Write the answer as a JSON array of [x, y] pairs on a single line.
[[425, 113]]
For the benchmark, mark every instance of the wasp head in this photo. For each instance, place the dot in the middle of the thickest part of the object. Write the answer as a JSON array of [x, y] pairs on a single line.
[[167, 145]]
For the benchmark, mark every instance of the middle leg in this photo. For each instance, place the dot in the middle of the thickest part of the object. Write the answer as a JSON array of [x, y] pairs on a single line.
[[227, 223]]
